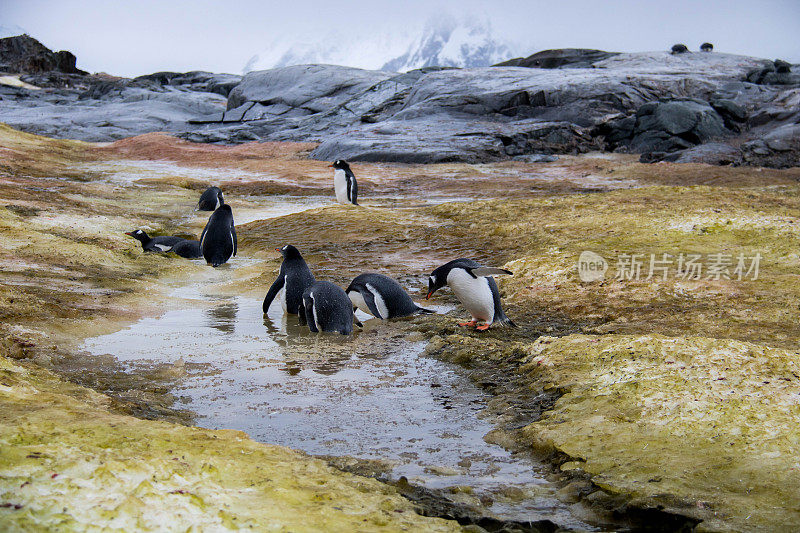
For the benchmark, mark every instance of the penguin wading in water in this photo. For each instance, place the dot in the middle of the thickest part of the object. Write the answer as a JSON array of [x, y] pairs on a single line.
[[475, 288], [218, 240], [381, 297], [328, 309], [211, 199], [344, 183], [293, 280], [154, 244]]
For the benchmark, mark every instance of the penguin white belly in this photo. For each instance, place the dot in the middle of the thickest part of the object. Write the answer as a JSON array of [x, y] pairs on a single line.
[[358, 301], [163, 247], [340, 186], [282, 296], [474, 293]]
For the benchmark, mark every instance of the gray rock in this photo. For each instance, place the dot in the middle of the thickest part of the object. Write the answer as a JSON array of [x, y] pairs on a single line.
[[672, 125], [780, 148], [316, 88], [559, 58]]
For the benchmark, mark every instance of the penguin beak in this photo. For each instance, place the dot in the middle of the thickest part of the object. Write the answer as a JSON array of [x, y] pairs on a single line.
[[428, 297], [277, 249], [129, 233], [330, 166]]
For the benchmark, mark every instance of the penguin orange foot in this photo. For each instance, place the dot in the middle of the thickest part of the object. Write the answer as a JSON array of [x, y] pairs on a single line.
[[483, 327], [468, 324]]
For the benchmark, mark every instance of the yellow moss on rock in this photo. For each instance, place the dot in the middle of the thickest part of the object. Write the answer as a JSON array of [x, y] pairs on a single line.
[[68, 464], [705, 427]]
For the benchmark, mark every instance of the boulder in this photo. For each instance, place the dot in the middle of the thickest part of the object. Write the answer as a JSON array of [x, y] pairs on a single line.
[[780, 148], [670, 125], [559, 58]]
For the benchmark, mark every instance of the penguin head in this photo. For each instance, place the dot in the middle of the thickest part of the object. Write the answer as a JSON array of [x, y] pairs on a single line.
[[436, 281], [289, 252], [138, 234], [340, 164]]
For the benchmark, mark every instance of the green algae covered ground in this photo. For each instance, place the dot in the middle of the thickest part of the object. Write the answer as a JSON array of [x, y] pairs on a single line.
[[68, 464], [671, 394]]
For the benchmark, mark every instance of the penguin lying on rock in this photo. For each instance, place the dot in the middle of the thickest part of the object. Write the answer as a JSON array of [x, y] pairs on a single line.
[[211, 199], [293, 280], [218, 240], [154, 244], [382, 297], [344, 183], [190, 249], [328, 309], [475, 288]]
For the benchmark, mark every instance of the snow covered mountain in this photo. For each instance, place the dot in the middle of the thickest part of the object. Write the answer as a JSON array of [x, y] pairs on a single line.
[[442, 41]]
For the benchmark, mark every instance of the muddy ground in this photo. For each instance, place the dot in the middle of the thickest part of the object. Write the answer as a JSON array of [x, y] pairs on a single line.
[[652, 398]]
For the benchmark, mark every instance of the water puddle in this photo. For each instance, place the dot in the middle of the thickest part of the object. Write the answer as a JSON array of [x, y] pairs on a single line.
[[371, 396]]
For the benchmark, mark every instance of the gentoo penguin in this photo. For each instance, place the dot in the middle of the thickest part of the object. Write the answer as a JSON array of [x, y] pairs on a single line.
[[344, 183], [381, 297], [293, 280], [190, 249], [706, 47], [474, 286], [328, 309], [154, 244], [218, 240], [679, 49], [211, 199]]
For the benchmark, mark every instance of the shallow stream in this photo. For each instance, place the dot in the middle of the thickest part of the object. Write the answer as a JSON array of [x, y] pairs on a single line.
[[370, 396]]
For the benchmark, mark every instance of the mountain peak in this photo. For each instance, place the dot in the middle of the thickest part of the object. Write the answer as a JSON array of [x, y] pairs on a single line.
[[441, 41]]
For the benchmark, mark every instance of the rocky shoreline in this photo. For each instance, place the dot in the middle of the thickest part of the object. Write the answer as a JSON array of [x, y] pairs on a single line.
[[697, 107]]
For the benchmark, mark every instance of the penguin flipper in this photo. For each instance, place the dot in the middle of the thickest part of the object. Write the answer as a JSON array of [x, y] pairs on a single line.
[[489, 271], [308, 306], [235, 240], [353, 189], [423, 311], [273, 291], [369, 299]]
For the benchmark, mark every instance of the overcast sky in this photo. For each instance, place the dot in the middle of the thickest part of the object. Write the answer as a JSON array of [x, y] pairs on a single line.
[[143, 36]]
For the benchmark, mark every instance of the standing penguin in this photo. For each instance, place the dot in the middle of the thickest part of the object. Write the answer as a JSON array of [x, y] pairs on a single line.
[[327, 308], [475, 288], [211, 199], [344, 183], [293, 280], [154, 244], [381, 297], [218, 240]]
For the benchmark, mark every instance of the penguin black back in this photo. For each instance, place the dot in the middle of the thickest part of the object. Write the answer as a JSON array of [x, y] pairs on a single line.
[[218, 241], [327, 308], [190, 249], [154, 244], [211, 199], [293, 280], [382, 297]]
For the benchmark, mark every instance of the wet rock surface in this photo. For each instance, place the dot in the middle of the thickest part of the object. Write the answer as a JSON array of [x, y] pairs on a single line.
[[573, 101]]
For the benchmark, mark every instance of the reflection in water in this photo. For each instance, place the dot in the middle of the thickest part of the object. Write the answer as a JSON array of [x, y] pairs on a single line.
[[371, 395], [223, 317]]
